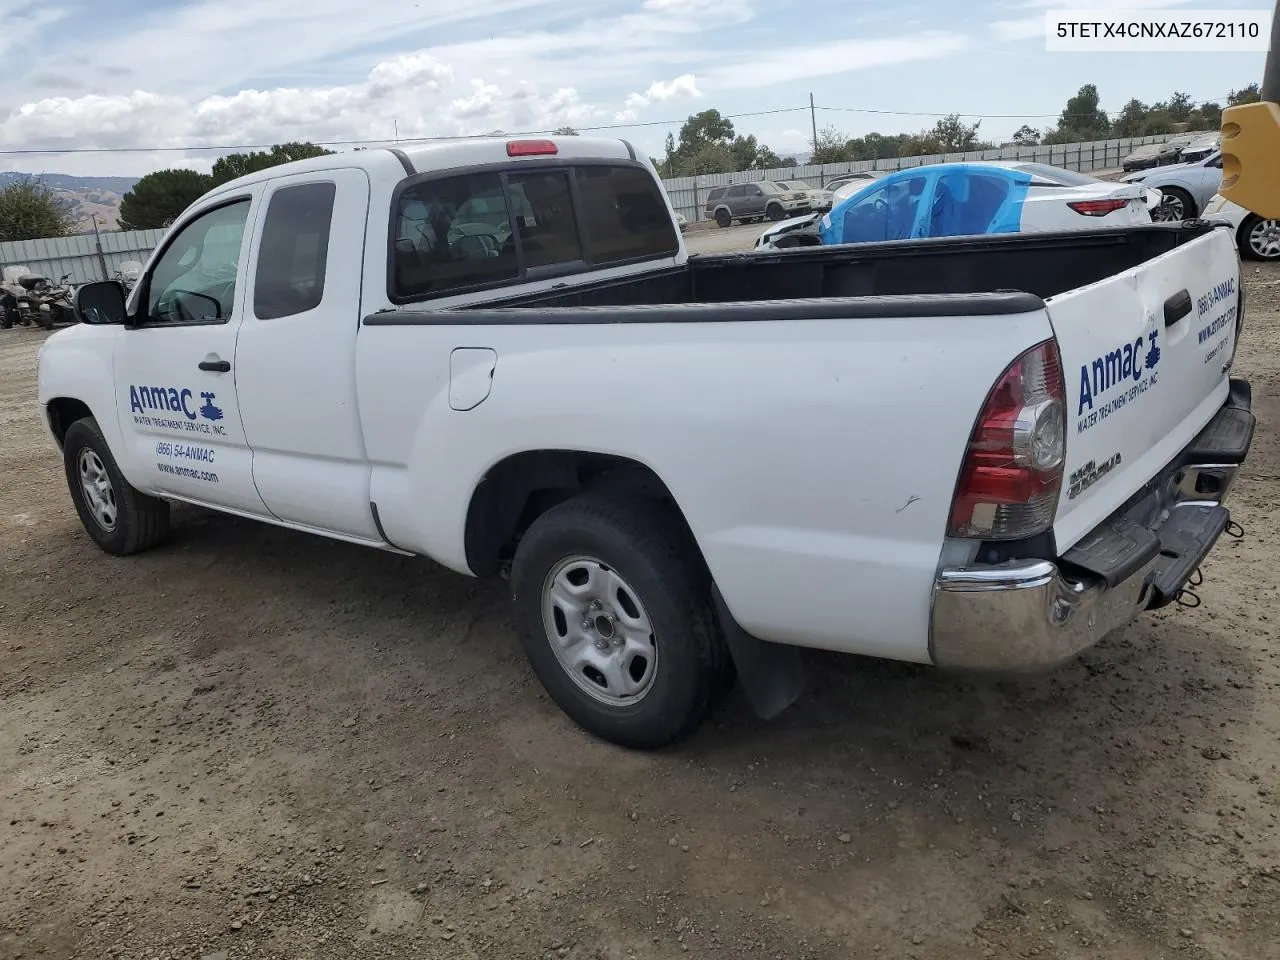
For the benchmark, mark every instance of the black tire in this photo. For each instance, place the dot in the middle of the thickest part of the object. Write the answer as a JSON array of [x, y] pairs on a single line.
[[723, 218], [652, 552], [1181, 197], [1246, 247], [141, 521], [775, 212]]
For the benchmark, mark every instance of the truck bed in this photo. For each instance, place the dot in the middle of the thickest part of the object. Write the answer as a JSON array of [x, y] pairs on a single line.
[[1041, 265]]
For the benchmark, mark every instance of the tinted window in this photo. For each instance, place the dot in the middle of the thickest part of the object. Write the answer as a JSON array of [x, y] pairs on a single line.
[[293, 251], [624, 215], [738, 191], [715, 194], [544, 218], [195, 278], [451, 233]]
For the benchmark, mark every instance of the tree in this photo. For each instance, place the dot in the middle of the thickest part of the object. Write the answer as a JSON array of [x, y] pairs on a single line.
[[1207, 116], [29, 210], [235, 165], [1026, 136], [955, 136], [832, 146], [1250, 94], [1081, 119], [1180, 107], [1132, 120], [157, 199], [564, 132]]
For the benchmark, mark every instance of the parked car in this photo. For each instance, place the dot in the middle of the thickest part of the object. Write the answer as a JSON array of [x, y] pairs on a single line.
[[1200, 148], [953, 199], [1063, 447], [1156, 154], [1185, 187], [860, 179], [1257, 238], [819, 197], [748, 202]]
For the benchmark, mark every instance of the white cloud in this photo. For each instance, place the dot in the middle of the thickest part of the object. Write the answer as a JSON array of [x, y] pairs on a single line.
[[660, 91], [835, 57]]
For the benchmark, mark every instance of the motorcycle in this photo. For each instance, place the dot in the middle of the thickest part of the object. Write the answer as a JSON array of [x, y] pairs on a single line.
[[27, 298], [56, 304]]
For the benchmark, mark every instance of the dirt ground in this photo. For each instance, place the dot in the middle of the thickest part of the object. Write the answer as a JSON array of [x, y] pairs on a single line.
[[250, 743]]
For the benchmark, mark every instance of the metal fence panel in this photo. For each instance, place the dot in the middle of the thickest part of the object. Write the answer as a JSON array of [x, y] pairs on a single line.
[[78, 255]]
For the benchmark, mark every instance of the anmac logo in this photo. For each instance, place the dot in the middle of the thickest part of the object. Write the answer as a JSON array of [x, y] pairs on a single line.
[[1125, 364], [173, 400]]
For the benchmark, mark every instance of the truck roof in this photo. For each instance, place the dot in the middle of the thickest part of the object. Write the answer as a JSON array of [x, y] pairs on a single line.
[[441, 155]]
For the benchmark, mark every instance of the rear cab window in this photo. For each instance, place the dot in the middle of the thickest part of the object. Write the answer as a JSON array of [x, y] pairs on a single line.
[[475, 231]]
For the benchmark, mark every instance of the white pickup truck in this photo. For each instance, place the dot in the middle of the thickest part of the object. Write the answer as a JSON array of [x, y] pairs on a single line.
[[980, 453]]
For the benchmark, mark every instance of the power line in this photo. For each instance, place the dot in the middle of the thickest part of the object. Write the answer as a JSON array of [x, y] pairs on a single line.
[[235, 147]]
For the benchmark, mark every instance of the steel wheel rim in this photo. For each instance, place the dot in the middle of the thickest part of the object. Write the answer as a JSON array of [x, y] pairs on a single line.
[[99, 494], [1169, 210], [1264, 238], [599, 631]]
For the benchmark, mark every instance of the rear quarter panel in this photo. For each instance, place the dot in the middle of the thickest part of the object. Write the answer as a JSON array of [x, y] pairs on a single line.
[[815, 460]]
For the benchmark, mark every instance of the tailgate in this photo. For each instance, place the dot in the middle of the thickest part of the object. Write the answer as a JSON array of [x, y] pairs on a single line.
[[1145, 355]]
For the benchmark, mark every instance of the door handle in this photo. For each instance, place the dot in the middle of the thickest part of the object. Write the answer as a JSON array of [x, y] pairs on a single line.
[[1176, 307], [216, 366]]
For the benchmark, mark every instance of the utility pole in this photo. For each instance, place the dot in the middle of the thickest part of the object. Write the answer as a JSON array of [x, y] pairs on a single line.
[[813, 118], [97, 239]]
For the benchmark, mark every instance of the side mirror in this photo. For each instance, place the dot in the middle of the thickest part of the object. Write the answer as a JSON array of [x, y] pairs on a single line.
[[101, 302]]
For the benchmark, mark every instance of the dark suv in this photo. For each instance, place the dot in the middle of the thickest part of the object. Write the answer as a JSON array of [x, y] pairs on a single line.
[[754, 201]]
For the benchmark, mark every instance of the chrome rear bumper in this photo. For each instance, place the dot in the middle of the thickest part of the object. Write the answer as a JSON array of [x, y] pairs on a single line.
[[1035, 613]]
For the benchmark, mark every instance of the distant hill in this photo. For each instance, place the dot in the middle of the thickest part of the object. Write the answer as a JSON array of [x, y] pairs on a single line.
[[88, 196]]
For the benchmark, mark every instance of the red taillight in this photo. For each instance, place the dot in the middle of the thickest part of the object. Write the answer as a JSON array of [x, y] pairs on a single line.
[[1012, 469], [1098, 208], [531, 148]]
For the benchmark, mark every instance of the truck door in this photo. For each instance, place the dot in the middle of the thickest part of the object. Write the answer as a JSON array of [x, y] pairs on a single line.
[[174, 377], [295, 360]]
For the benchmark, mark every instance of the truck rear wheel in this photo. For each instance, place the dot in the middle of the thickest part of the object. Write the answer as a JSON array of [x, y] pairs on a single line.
[[120, 519], [612, 602]]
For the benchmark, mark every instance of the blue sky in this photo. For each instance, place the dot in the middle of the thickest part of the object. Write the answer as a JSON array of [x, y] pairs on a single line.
[[146, 73]]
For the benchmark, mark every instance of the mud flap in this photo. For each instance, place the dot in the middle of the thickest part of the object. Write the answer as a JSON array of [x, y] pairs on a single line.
[[771, 674]]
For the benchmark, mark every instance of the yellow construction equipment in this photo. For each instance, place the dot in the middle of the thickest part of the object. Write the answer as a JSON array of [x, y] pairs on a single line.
[[1251, 141]]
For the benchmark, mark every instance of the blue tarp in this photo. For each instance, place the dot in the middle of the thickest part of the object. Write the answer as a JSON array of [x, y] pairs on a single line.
[[946, 200]]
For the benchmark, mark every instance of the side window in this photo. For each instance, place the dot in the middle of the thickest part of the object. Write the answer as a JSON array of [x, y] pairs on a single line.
[[624, 215], [294, 251], [886, 213], [194, 280], [544, 217], [451, 233], [965, 204], [737, 191], [754, 191]]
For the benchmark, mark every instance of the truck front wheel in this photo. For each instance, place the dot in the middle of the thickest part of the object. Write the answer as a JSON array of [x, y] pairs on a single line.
[[612, 602], [120, 519]]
